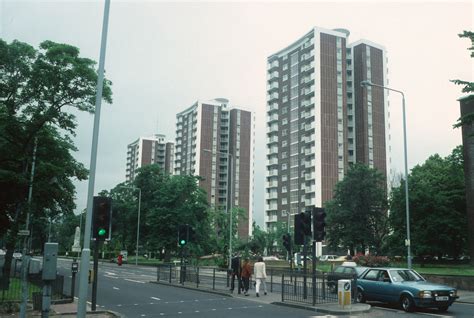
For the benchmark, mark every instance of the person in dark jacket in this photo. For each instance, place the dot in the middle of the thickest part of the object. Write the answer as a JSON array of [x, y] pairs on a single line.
[[246, 274], [235, 272]]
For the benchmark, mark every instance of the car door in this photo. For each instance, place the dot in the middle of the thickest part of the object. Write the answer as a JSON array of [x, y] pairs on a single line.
[[368, 282], [382, 288]]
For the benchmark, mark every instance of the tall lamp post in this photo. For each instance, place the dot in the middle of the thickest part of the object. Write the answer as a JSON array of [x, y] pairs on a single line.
[[228, 206], [407, 205]]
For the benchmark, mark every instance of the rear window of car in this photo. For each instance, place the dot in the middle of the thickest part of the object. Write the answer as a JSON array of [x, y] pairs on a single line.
[[339, 269], [372, 274]]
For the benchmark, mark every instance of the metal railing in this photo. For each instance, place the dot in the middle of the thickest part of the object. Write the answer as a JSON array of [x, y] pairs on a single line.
[[293, 285], [10, 288]]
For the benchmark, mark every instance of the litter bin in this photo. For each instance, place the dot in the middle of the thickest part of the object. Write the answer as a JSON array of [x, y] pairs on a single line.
[[344, 290], [37, 301]]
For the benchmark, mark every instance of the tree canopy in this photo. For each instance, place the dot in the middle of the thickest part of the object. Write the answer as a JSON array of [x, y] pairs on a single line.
[[357, 215], [437, 208], [37, 88]]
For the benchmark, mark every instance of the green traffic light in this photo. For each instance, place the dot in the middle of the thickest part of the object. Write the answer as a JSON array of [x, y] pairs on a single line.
[[182, 242], [101, 232]]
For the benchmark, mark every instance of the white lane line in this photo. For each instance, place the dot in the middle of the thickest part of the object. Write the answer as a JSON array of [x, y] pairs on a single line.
[[119, 305], [135, 304], [155, 298], [110, 273], [142, 315], [110, 276], [213, 309], [134, 281], [116, 288]]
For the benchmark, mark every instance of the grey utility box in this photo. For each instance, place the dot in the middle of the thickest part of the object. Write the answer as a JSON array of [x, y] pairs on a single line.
[[35, 266], [50, 261]]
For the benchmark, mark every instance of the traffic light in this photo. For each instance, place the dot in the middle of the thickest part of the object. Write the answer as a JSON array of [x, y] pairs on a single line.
[[287, 241], [307, 223], [319, 216], [101, 216], [183, 234], [299, 235]]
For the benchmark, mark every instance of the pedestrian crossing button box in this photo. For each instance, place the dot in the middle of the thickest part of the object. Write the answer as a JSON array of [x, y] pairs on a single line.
[[50, 261]]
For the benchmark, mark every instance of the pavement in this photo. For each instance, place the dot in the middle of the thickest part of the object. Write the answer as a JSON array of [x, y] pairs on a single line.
[[70, 309]]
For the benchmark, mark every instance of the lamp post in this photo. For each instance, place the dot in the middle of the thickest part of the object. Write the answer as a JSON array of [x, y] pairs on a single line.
[[227, 206], [138, 218], [407, 205]]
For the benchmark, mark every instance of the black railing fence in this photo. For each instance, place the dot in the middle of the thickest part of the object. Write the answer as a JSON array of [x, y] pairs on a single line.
[[11, 289], [293, 285]]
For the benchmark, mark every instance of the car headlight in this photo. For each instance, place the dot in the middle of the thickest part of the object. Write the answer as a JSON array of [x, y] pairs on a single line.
[[453, 293], [425, 294]]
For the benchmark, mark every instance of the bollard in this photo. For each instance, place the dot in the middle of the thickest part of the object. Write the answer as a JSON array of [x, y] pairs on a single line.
[[157, 273], [197, 277], [171, 273], [271, 280]]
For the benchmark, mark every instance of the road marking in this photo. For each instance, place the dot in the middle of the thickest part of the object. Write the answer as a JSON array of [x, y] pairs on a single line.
[[116, 288], [197, 311], [152, 303], [110, 276], [142, 315], [162, 313], [213, 309], [119, 305], [135, 281], [179, 312], [135, 304], [229, 308], [155, 298]]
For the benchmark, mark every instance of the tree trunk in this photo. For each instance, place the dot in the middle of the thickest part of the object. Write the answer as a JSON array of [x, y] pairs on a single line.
[[467, 107]]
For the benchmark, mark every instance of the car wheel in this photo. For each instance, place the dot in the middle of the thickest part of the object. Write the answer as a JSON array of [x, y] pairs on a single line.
[[360, 296], [407, 304], [332, 287], [443, 308]]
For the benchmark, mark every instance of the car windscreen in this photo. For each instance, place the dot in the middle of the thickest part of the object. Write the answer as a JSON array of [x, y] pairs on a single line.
[[405, 275]]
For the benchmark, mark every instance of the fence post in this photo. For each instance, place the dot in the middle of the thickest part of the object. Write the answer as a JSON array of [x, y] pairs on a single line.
[[197, 277], [314, 288], [170, 273], [157, 273], [213, 279], [271, 280], [324, 285], [282, 287]]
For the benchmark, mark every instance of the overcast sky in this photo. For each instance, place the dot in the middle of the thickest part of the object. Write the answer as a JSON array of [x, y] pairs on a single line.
[[162, 57]]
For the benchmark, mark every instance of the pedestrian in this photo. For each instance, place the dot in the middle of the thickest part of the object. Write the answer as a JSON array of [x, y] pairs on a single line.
[[235, 272], [246, 273], [260, 275]]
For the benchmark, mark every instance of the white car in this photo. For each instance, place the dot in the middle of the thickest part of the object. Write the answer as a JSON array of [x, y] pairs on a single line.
[[17, 255], [326, 258], [270, 258]]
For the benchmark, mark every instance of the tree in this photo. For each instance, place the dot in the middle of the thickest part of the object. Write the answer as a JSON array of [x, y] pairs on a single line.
[[36, 87], [466, 121], [357, 215], [437, 208]]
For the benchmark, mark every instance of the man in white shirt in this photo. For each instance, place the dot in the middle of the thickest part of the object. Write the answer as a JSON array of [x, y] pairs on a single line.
[[260, 275]]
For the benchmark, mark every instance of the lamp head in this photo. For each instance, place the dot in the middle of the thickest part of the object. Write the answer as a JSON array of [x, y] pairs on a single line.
[[366, 83]]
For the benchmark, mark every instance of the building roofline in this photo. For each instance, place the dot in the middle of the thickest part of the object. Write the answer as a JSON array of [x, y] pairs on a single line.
[[369, 43], [464, 98], [293, 45]]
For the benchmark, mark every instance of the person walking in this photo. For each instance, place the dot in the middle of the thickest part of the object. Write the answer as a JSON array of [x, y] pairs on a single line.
[[260, 274], [246, 273], [235, 272]]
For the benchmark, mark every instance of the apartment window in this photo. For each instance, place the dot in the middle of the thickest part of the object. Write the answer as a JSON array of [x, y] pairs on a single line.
[[284, 121], [284, 178], [285, 99], [284, 110], [285, 77], [285, 67], [284, 132], [284, 166], [284, 154], [284, 143], [284, 189], [284, 201]]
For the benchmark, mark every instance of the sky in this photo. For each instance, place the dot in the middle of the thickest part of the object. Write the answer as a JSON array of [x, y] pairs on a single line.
[[163, 56]]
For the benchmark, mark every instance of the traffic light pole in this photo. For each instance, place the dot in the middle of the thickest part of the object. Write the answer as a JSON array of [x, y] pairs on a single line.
[[96, 276], [305, 267]]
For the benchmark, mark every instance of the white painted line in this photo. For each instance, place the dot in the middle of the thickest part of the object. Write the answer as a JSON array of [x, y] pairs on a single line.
[[162, 313], [116, 288], [110, 276], [179, 312], [229, 308], [119, 305], [135, 304], [110, 273], [142, 315], [134, 281], [155, 298], [197, 311], [213, 309], [152, 303]]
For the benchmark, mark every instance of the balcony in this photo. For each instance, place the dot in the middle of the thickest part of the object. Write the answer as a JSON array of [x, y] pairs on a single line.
[[271, 118], [310, 163], [271, 184], [272, 139], [272, 150], [272, 161], [272, 173], [272, 195], [271, 206], [272, 65], [309, 176], [273, 76], [272, 96], [272, 86], [272, 218], [273, 128], [272, 107]]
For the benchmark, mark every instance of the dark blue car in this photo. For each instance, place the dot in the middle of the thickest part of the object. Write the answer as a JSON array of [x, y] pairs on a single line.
[[405, 287]]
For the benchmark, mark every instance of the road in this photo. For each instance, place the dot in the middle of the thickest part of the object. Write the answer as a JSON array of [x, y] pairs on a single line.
[[127, 290]]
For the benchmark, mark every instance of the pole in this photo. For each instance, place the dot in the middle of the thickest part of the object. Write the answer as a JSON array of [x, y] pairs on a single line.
[[138, 222], [230, 210], [84, 268], [407, 201], [407, 205], [26, 259], [96, 274]]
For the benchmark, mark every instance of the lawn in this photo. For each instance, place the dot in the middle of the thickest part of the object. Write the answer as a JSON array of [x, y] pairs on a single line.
[[14, 291]]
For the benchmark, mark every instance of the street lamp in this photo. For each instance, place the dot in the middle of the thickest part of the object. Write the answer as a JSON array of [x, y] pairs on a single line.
[[138, 219], [407, 206], [227, 207]]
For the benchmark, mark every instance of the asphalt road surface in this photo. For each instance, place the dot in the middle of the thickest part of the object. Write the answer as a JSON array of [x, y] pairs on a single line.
[[127, 290]]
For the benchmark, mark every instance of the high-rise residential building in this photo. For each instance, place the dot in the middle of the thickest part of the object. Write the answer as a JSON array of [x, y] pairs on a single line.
[[215, 141], [319, 121], [149, 150]]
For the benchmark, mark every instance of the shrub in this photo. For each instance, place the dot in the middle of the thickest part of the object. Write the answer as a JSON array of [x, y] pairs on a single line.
[[371, 260]]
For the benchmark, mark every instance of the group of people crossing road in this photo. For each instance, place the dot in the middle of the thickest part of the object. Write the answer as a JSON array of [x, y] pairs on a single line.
[[243, 273]]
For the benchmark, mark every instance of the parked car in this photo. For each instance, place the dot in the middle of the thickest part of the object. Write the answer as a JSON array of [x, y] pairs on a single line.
[[270, 258], [17, 255], [325, 258], [405, 287], [343, 272]]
